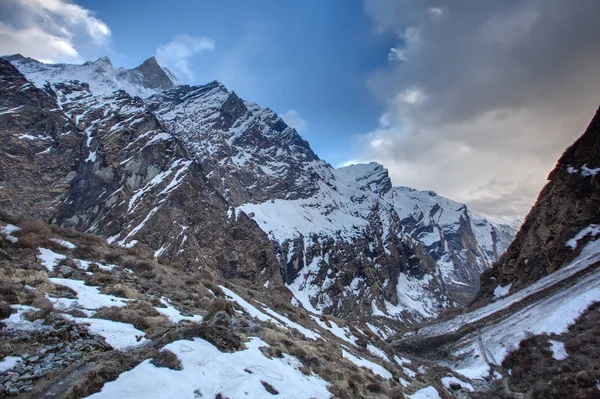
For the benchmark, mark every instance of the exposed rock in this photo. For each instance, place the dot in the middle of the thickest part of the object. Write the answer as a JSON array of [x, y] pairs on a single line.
[[5, 310], [269, 388], [224, 339]]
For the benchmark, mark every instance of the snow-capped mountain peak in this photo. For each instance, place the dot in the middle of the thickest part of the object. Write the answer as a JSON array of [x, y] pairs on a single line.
[[102, 77]]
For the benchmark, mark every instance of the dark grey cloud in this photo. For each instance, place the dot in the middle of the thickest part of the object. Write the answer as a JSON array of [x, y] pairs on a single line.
[[482, 92]]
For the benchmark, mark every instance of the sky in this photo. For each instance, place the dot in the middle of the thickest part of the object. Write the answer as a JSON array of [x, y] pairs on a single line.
[[474, 100]]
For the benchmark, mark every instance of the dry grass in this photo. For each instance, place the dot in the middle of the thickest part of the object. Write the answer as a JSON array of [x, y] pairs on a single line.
[[34, 233], [9, 292], [218, 305], [8, 217], [214, 288], [143, 267], [122, 291], [166, 358], [108, 367], [44, 313], [141, 315], [23, 276]]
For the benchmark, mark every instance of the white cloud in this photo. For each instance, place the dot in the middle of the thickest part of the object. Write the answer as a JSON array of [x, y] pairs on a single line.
[[412, 95], [436, 12], [176, 54], [486, 98], [397, 54], [293, 119], [52, 30]]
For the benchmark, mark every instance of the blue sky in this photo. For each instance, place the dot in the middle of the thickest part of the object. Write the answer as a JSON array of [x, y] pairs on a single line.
[[475, 100], [310, 56]]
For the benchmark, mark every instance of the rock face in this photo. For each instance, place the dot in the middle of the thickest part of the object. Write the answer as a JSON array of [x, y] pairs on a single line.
[[564, 218], [215, 182]]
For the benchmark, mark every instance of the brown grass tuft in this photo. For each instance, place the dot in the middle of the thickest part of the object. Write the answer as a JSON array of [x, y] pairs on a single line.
[[166, 358]]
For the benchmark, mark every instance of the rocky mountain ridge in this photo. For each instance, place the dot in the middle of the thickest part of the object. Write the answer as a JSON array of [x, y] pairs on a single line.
[[184, 171]]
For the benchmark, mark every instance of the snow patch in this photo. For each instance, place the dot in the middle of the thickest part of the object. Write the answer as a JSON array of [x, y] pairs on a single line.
[[446, 381], [9, 362], [49, 259], [175, 315], [558, 350], [500, 291], [7, 232], [88, 298], [343, 333], [63, 243], [118, 335], [426, 393], [592, 230]]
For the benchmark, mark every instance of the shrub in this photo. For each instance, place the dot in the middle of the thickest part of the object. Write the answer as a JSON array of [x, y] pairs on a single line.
[[8, 292], [9, 217], [34, 233], [219, 304], [5, 310], [214, 288], [143, 267]]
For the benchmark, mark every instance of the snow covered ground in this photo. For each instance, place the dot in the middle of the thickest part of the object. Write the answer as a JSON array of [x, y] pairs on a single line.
[[49, 259], [551, 315], [208, 372], [88, 298]]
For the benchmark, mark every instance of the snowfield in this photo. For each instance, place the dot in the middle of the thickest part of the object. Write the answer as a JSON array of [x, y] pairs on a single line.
[[208, 372]]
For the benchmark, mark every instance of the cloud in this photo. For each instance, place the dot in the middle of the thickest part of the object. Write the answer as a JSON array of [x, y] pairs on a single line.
[[52, 30], [485, 97], [176, 54], [293, 119]]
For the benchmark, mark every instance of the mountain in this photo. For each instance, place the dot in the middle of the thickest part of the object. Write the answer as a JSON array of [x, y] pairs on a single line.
[[195, 173], [177, 283], [530, 330], [333, 228], [196, 232]]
